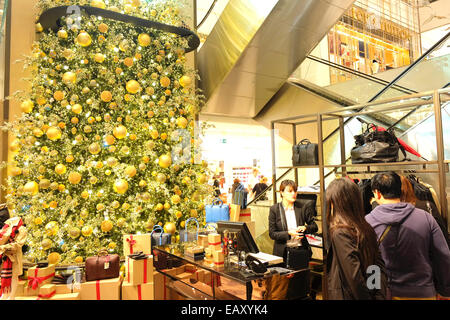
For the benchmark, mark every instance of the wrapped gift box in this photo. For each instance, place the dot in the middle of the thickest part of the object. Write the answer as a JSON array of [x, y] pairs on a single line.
[[108, 289], [30, 292], [138, 292], [235, 209], [202, 240], [20, 291], [47, 290], [133, 243], [66, 296], [63, 288], [214, 239], [218, 258], [159, 286], [40, 276], [245, 215], [139, 271]]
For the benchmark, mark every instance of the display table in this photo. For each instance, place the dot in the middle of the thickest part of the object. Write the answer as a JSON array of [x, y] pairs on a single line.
[[171, 262]]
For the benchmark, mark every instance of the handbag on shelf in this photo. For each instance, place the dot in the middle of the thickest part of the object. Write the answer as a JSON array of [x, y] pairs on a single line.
[[101, 267], [185, 235], [376, 146], [297, 258], [217, 211], [240, 197], [161, 238], [305, 153]]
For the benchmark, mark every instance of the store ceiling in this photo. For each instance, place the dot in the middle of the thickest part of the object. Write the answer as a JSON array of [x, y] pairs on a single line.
[[255, 46]]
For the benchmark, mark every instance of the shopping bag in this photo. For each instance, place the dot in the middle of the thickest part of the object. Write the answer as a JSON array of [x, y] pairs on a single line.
[[161, 238], [185, 235], [240, 196], [305, 153], [217, 211]]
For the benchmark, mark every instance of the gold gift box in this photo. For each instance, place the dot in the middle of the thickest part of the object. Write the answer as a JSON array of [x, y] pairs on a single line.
[[142, 242], [138, 292], [135, 270], [108, 289]]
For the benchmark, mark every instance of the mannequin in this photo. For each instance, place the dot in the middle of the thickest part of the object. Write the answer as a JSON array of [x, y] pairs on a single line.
[[12, 237]]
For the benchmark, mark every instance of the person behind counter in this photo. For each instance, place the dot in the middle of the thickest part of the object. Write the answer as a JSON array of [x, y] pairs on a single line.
[[289, 221]]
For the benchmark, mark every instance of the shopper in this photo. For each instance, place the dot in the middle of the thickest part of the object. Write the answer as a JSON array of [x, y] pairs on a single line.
[[288, 221], [428, 206], [236, 183], [413, 247], [259, 188], [253, 179], [216, 186], [353, 246]]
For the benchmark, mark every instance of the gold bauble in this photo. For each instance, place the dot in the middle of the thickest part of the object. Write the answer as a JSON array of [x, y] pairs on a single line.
[[120, 186], [111, 161], [69, 77], [133, 86], [74, 177], [58, 95], [79, 259], [103, 27], [27, 106], [84, 39], [62, 34], [176, 199], [130, 171], [51, 228], [77, 108], [120, 132], [54, 258], [128, 62], [38, 132], [170, 227], [182, 122], [15, 145], [16, 171], [94, 148], [37, 221], [46, 244], [110, 140], [53, 133], [106, 226], [202, 179], [159, 207], [86, 231], [161, 177], [144, 39], [106, 96], [165, 161], [99, 57], [112, 245], [185, 81], [121, 222], [60, 168], [74, 232], [31, 187], [165, 82], [44, 184], [98, 4]]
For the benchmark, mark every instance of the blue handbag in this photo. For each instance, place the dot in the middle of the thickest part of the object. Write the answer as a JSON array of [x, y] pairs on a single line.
[[185, 236], [217, 211], [162, 239], [240, 196]]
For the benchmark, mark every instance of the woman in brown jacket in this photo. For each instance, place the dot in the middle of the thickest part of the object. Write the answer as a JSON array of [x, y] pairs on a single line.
[[353, 247]]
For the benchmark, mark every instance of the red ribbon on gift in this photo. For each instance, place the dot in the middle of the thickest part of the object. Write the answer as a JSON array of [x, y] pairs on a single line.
[[139, 292], [46, 296], [97, 289], [214, 244], [35, 281], [145, 269], [145, 274], [132, 242]]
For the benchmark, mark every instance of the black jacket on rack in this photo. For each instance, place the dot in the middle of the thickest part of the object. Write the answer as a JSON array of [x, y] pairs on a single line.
[[278, 225]]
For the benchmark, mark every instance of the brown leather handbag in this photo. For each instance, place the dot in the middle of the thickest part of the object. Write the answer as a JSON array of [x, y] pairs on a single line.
[[102, 266]]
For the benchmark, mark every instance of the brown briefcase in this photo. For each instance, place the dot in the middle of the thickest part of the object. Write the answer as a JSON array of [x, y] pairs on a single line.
[[102, 266]]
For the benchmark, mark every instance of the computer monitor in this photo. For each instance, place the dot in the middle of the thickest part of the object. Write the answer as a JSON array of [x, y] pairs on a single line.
[[245, 239]]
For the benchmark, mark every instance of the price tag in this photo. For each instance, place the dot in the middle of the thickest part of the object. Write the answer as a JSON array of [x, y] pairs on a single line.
[[106, 265]]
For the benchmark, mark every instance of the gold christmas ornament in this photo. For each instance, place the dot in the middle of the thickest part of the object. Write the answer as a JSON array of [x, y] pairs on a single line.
[[16, 171], [170, 227], [103, 28], [69, 77], [74, 177], [37, 221], [120, 132], [74, 232], [133, 86], [79, 259], [159, 207], [98, 4], [31, 188], [99, 57], [38, 132], [94, 148], [77, 108], [176, 199], [164, 81], [182, 122], [161, 177], [185, 81], [130, 171], [120, 186], [128, 62], [46, 244], [144, 40], [106, 96], [165, 161], [62, 34], [202, 179], [53, 133], [27, 106], [14, 146], [51, 228], [60, 169], [54, 258], [86, 231], [84, 39], [110, 140]]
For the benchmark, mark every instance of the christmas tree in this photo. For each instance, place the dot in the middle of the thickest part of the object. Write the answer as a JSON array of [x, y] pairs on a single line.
[[105, 143]]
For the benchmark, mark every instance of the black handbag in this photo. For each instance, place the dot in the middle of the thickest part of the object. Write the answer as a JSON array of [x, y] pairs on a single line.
[[376, 147], [305, 153], [297, 258]]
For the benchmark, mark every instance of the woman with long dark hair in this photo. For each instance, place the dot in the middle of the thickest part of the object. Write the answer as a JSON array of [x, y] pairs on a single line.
[[355, 267]]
